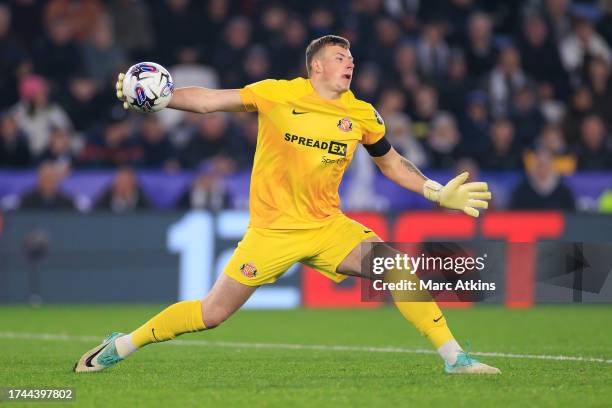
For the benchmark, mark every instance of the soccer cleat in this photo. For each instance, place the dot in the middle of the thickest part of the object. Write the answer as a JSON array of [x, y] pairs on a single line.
[[100, 357], [466, 364]]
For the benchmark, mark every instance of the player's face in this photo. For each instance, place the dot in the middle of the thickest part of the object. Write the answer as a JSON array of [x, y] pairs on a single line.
[[337, 63]]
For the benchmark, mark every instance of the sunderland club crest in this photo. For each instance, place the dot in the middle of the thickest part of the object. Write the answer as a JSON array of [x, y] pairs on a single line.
[[249, 270], [345, 125]]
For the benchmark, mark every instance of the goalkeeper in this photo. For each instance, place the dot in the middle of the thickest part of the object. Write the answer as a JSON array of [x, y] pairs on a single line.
[[309, 129]]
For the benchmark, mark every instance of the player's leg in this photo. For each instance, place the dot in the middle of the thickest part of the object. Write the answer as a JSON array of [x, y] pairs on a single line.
[[260, 258], [226, 297], [427, 317]]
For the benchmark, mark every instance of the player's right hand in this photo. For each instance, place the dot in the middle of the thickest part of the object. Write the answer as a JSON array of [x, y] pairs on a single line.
[[119, 89]]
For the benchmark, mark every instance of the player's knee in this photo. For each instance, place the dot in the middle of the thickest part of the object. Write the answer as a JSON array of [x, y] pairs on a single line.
[[214, 316]]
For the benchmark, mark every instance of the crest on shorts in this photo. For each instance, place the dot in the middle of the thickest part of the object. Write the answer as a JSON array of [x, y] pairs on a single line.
[[345, 125], [249, 270]]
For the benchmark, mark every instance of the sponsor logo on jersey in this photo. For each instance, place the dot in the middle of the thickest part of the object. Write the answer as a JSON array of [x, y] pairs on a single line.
[[249, 270], [332, 147], [345, 125], [337, 148], [326, 160]]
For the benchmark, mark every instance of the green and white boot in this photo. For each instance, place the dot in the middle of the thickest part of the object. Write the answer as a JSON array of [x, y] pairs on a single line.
[[100, 357], [467, 364]]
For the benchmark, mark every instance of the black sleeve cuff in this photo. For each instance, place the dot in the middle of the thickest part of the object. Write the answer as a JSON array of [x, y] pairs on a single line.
[[379, 148]]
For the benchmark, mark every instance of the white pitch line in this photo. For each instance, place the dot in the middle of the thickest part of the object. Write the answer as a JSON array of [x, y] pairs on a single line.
[[316, 347]]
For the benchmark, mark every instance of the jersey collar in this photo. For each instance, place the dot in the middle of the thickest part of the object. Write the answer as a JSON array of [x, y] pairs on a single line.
[[343, 101]]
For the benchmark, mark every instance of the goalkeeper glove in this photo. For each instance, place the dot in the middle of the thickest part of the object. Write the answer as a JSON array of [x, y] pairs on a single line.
[[119, 88], [459, 195]]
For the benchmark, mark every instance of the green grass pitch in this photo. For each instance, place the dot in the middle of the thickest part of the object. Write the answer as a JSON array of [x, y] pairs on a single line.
[[238, 364]]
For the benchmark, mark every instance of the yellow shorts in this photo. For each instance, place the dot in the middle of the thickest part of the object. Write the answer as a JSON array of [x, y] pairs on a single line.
[[264, 255]]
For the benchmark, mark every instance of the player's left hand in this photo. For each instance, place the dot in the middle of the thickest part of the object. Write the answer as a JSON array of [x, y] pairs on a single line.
[[459, 195]]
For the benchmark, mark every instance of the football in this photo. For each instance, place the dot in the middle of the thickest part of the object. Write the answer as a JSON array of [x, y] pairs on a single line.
[[147, 87]]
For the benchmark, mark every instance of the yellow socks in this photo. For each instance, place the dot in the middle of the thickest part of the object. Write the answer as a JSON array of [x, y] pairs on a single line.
[[186, 316], [428, 319], [424, 314], [179, 318]]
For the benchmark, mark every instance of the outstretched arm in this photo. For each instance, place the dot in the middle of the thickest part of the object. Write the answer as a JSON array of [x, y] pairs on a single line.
[[456, 194], [401, 171], [204, 100], [197, 99]]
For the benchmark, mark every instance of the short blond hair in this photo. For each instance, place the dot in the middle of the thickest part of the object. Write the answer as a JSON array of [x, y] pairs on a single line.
[[319, 43]]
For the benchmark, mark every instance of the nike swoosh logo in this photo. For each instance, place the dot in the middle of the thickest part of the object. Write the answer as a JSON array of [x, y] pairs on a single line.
[[367, 231], [298, 113], [153, 333], [438, 319], [88, 360]]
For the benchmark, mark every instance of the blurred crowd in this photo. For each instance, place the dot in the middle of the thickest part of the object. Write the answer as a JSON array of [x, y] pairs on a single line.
[[479, 84]]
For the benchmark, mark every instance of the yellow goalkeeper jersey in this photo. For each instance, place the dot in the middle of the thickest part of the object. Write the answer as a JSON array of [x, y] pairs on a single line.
[[304, 145]]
